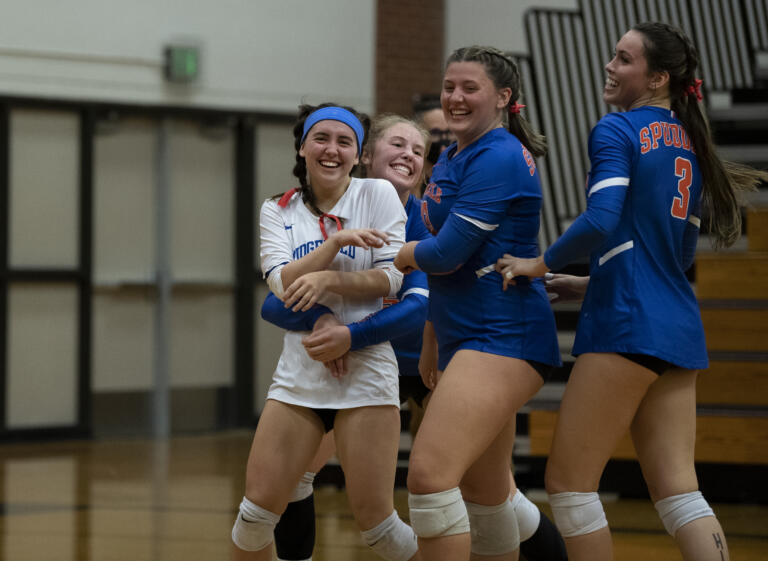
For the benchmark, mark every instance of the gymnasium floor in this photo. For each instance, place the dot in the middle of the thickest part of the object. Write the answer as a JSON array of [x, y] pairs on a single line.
[[174, 500]]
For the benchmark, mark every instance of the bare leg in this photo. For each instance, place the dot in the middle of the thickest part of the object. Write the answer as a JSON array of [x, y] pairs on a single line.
[[600, 400], [291, 435], [295, 532], [664, 434], [473, 402], [367, 439]]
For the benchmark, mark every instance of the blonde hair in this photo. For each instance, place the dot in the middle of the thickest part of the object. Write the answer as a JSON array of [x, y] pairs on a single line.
[[381, 124]]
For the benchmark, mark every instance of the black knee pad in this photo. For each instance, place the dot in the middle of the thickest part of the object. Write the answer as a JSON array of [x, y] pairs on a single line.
[[546, 544], [295, 533]]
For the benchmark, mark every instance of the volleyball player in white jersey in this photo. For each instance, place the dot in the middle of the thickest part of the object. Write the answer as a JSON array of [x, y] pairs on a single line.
[[330, 241]]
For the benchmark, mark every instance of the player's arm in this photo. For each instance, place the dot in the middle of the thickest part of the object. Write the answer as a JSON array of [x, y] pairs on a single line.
[[274, 311], [610, 152], [485, 194], [409, 314]]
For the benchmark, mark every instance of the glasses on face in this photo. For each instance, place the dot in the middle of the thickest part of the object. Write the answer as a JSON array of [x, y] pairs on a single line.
[[440, 134]]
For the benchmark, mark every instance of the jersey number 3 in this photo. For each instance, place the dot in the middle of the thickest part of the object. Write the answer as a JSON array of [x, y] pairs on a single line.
[[680, 204]]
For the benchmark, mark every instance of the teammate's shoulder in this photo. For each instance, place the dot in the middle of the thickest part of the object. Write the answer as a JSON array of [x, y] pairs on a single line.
[[613, 125], [369, 183], [374, 189], [613, 120], [497, 143], [371, 186], [282, 200]]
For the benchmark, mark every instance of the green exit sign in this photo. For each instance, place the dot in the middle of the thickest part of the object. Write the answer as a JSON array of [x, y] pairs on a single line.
[[182, 63]]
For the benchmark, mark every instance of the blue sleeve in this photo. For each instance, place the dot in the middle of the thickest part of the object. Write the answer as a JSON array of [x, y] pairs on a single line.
[[691, 237], [456, 241], [275, 312], [495, 177], [611, 151], [409, 314]]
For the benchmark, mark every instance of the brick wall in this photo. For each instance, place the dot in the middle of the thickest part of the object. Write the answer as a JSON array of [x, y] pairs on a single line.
[[409, 52]]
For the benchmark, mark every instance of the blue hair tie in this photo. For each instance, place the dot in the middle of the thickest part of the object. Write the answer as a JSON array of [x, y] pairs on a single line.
[[340, 114]]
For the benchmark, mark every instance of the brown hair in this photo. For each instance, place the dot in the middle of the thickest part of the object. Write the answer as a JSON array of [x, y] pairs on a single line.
[[300, 169], [382, 123], [668, 49], [503, 72]]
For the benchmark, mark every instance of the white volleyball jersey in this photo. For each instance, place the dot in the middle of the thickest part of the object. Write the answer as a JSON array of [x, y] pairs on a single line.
[[288, 233]]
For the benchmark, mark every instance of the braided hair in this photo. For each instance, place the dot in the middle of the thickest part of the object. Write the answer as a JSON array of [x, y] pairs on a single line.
[[503, 72], [669, 49], [300, 168]]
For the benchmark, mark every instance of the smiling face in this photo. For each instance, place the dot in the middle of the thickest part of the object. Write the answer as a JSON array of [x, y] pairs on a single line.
[[398, 156], [471, 102], [629, 84], [330, 151]]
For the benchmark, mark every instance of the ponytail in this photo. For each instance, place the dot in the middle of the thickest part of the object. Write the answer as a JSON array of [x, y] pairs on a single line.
[[668, 49]]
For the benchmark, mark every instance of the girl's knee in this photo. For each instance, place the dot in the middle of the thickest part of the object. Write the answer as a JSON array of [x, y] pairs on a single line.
[[369, 513], [554, 479], [423, 478]]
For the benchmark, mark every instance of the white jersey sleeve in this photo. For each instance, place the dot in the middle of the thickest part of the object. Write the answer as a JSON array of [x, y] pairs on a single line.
[[275, 245], [388, 216]]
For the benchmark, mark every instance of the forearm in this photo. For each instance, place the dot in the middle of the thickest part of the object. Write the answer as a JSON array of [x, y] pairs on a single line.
[[318, 259], [578, 241], [450, 249], [275, 312], [398, 319], [371, 283]]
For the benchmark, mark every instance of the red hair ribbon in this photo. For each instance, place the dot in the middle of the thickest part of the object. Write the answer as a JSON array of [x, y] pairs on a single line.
[[322, 223], [515, 108], [695, 89]]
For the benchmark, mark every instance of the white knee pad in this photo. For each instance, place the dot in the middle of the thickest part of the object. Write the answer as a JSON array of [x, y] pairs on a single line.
[[528, 515], [493, 528], [577, 514], [253, 526], [392, 539], [676, 511], [303, 488], [438, 514]]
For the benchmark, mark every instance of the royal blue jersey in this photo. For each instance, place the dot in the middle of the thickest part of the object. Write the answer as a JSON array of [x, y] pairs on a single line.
[[643, 201], [489, 197]]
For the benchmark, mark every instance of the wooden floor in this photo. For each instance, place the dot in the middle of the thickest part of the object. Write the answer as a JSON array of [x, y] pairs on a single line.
[[174, 500]]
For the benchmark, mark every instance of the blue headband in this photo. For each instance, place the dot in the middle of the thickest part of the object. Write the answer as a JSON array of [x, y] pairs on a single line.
[[336, 114]]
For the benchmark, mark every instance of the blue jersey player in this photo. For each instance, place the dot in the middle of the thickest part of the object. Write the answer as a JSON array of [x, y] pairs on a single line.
[[494, 347], [640, 339]]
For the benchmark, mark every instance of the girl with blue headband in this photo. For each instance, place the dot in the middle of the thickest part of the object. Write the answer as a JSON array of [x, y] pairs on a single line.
[[331, 241]]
